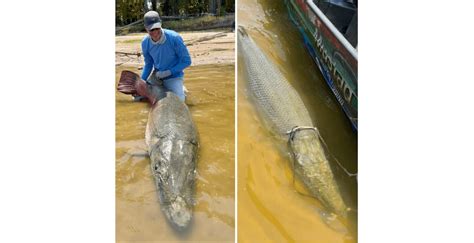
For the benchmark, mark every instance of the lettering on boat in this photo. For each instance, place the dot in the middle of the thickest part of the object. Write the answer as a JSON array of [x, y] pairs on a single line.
[[341, 84]]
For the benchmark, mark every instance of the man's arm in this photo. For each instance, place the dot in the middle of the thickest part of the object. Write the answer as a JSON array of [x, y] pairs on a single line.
[[183, 55], [148, 62]]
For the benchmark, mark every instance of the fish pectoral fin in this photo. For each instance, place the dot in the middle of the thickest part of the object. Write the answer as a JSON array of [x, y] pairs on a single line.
[[332, 221], [142, 153]]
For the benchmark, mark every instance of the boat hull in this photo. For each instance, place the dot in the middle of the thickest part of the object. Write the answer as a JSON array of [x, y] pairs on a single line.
[[336, 60]]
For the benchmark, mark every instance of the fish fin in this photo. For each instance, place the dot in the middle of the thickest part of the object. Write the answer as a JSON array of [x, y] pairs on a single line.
[[127, 82], [140, 154], [351, 210], [130, 83], [332, 221]]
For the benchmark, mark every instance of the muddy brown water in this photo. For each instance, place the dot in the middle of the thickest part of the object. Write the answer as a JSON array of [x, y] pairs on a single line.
[[271, 207], [138, 214]]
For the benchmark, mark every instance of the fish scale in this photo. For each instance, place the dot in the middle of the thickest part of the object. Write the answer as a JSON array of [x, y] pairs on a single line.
[[275, 97], [172, 142], [172, 139]]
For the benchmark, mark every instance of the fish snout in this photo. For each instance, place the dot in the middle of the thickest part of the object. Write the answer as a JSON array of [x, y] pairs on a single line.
[[314, 169], [179, 213]]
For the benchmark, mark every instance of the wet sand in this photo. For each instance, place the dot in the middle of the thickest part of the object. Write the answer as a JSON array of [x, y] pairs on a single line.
[[205, 47]]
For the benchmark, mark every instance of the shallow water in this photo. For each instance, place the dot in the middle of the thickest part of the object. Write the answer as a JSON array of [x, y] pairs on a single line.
[[270, 205], [138, 214]]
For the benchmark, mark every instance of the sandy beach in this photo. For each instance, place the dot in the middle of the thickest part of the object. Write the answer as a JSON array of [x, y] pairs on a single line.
[[205, 47]]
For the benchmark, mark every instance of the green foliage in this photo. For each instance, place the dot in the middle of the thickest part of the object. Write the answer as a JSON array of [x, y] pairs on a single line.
[[230, 6], [198, 23], [129, 11]]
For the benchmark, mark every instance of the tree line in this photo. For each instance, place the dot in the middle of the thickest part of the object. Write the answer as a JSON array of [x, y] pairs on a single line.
[[129, 11]]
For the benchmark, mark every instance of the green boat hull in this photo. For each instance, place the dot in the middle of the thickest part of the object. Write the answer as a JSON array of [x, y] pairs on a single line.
[[335, 57]]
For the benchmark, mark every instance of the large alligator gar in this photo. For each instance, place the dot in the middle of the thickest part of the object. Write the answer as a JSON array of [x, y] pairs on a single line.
[[172, 142], [284, 111]]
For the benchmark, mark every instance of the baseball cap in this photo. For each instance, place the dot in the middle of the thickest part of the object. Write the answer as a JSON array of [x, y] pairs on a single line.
[[152, 20]]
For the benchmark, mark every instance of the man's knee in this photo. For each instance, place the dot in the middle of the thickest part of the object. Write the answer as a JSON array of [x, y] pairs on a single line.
[[181, 97], [179, 91], [176, 86]]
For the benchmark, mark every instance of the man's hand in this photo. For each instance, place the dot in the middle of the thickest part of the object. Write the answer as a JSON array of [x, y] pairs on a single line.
[[163, 74]]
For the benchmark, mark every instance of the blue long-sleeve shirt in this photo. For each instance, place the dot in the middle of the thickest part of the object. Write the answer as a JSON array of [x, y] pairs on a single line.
[[171, 55]]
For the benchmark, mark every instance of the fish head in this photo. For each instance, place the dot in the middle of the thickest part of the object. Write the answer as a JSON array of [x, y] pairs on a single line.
[[312, 166], [306, 148], [179, 213], [174, 169]]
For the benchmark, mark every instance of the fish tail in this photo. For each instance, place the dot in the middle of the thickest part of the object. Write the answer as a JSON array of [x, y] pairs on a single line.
[[127, 82], [130, 83]]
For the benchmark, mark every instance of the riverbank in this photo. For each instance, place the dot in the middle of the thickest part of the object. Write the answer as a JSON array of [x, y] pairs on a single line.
[[207, 22], [205, 47]]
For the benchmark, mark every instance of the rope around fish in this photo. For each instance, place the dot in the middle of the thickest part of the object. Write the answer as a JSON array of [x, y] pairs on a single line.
[[295, 129], [291, 134]]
